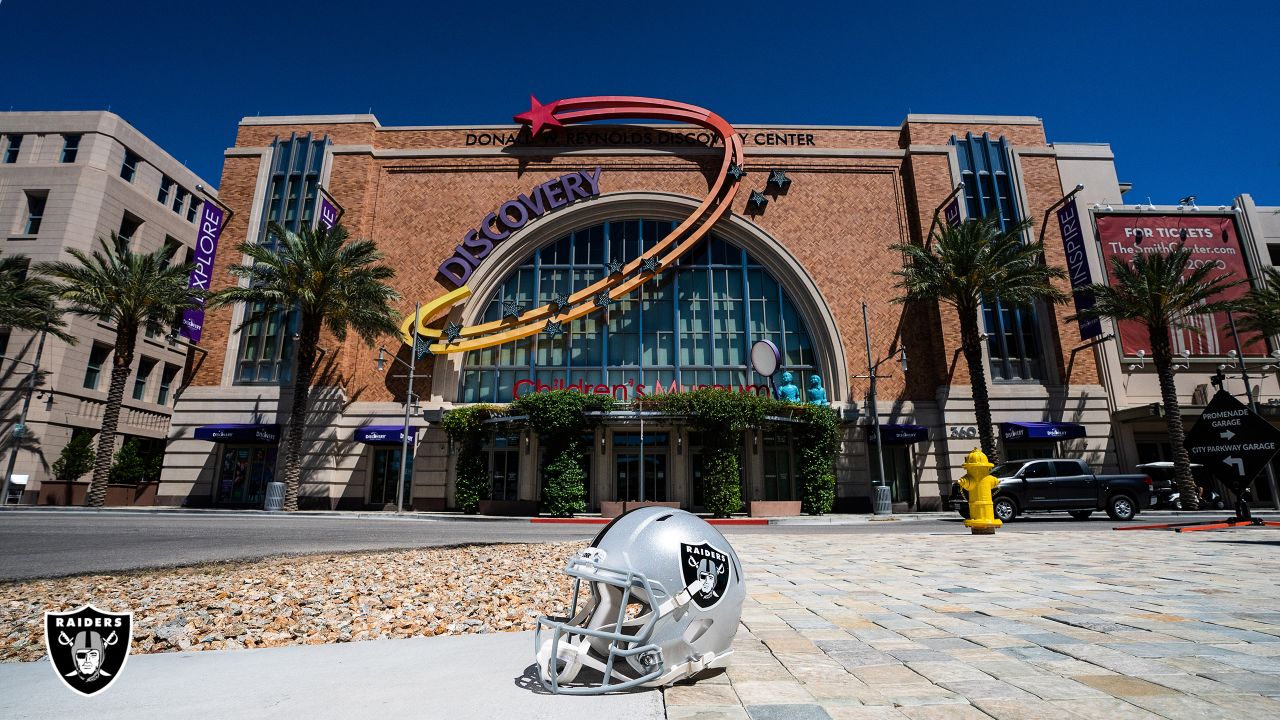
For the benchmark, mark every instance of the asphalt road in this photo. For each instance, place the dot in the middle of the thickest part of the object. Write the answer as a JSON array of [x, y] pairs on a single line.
[[49, 543]]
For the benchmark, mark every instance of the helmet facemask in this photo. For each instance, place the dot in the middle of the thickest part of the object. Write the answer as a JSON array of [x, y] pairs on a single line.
[[599, 638]]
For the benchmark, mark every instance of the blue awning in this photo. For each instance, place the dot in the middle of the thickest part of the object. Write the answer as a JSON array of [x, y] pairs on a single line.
[[903, 434], [249, 434], [1055, 431], [382, 434]]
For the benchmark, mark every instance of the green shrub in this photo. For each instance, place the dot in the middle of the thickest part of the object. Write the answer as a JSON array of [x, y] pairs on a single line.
[[817, 436], [464, 427], [564, 492], [129, 466], [558, 417], [76, 458]]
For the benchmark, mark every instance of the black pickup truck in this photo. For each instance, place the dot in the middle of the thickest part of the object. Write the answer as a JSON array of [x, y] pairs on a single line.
[[1046, 485]]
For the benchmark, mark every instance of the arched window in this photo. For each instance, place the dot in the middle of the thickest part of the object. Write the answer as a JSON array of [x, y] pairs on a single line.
[[691, 327]]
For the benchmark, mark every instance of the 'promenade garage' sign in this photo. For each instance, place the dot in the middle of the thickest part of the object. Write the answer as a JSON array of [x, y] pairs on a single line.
[[1232, 441]]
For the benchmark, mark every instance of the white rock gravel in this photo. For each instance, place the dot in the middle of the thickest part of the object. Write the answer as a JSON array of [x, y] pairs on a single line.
[[305, 600]]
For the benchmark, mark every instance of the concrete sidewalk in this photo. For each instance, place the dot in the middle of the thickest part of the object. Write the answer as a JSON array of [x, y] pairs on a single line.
[[484, 677]]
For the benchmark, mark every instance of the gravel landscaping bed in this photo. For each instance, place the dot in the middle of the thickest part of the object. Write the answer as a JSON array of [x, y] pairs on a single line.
[[305, 600]]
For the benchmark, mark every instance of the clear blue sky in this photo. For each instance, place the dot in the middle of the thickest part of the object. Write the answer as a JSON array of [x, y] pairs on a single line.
[[1187, 94]]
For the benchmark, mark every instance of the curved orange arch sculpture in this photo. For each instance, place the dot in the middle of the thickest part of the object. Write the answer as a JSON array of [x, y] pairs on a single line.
[[676, 243]]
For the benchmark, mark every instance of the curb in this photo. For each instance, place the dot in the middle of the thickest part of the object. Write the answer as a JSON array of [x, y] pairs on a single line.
[[605, 521]]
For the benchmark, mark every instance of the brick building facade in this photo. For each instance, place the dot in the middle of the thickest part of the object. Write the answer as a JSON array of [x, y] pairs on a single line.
[[823, 240]]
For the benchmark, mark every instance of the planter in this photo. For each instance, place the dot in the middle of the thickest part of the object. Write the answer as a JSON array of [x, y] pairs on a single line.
[[774, 508], [614, 508], [513, 508]]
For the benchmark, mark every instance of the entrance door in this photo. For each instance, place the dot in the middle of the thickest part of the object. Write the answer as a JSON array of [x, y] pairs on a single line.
[[629, 475], [897, 467], [382, 473], [244, 474]]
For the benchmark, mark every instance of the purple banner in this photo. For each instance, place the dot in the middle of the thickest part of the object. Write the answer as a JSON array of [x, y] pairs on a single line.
[[1077, 265], [951, 215], [206, 247], [328, 213]]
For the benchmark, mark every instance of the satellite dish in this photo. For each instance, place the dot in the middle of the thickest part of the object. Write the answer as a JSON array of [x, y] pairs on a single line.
[[765, 357]]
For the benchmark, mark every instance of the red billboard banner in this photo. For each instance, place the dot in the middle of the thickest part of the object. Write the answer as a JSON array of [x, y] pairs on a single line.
[[1213, 241]]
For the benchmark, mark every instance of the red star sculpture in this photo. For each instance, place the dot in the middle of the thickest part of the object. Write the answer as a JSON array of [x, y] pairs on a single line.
[[539, 116]]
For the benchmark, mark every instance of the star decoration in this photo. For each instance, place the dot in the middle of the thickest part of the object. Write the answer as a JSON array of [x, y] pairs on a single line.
[[602, 300], [735, 171], [511, 309], [561, 301], [779, 179], [650, 264], [615, 267], [422, 349], [452, 332], [757, 201], [553, 328], [539, 116]]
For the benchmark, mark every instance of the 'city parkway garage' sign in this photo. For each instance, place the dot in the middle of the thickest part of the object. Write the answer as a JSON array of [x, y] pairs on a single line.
[[1234, 442]]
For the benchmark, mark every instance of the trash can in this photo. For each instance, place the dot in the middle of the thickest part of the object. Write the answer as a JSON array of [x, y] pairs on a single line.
[[275, 496], [884, 501]]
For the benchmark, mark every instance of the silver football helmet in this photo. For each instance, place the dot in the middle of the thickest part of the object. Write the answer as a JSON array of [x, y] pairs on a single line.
[[662, 601]]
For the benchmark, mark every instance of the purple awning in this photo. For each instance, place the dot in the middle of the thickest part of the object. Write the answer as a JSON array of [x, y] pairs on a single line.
[[382, 434], [249, 434], [903, 434], [1055, 431]]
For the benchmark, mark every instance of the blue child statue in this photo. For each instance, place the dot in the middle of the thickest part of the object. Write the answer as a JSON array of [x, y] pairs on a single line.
[[817, 394], [788, 392]]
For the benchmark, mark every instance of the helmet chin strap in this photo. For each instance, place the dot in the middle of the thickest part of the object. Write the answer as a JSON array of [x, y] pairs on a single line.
[[680, 599]]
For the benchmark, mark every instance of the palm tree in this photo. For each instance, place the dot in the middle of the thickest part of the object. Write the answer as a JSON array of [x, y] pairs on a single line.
[[966, 265], [132, 291], [26, 303], [333, 282], [1261, 307], [1161, 292]]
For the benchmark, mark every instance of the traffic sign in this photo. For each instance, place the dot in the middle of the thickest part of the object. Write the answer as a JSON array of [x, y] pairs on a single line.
[[1232, 441]]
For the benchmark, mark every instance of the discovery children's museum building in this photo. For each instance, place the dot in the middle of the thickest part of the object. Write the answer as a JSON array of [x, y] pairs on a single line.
[[573, 251]]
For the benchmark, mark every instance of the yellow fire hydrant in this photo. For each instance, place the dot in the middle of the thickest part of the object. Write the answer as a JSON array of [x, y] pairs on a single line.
[[977, 483]]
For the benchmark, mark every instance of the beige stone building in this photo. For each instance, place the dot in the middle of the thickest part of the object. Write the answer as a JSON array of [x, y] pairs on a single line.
[[66, 180]]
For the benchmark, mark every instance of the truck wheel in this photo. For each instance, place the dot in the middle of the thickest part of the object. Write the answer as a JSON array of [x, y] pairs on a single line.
[[1081, 514], [1005, 509], [1121, 507]]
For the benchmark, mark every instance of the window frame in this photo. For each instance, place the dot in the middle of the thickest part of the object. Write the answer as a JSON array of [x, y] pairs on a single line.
[[35, 211], [146, 366], [70, 147], [129, 170], [167, 375], [95, 368], [12, 150]]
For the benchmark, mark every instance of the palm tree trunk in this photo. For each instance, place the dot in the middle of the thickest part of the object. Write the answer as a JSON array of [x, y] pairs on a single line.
[[1162, 355], [971, 346], [120, 365], [303, 375]]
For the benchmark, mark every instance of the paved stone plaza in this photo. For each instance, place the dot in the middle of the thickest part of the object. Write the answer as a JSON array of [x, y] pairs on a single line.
[[1019, 625]]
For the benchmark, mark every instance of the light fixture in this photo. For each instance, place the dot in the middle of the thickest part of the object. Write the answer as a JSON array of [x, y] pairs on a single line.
[[1186, 361], [1108, 207], [1142, 360], [1231, 354], [1236, 209], [679, 443], [1150, 205], [902, 358], [381, 360], [604, 447], [1097, 206], [1275, 355]]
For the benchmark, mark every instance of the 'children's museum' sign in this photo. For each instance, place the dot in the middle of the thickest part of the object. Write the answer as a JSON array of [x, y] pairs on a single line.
[[513, 215]]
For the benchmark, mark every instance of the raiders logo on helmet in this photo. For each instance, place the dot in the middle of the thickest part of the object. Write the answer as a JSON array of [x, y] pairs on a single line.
[[88, 647], [709, 568]]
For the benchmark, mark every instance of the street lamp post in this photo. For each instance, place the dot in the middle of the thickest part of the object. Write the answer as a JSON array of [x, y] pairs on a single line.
[[19, 429], [883, 487], [408, 406]]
